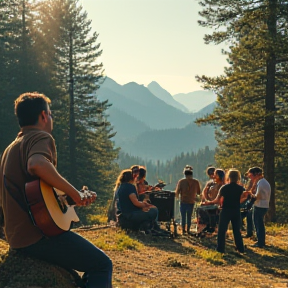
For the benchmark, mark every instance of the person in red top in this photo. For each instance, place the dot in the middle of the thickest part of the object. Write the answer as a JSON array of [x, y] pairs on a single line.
[[187, 188], [32, 155]]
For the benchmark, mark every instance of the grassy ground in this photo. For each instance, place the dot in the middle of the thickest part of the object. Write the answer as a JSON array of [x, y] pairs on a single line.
[[186, 261]]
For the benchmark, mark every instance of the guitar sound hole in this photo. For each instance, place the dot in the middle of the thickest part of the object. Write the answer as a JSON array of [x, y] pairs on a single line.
[[61, 202]]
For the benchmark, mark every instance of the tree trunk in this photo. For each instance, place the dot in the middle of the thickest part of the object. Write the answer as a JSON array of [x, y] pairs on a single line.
[[269, 126], [72, 127]]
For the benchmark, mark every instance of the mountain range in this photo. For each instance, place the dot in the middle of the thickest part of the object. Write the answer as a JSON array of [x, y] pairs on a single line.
[[150, 123], [195, 100]]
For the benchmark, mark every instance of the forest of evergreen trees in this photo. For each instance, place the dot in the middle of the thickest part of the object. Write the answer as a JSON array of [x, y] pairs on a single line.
[[171, 171], [252, 92], [48, 46]]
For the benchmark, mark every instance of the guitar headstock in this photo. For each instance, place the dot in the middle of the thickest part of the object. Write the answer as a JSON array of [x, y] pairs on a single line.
[[86, 190]]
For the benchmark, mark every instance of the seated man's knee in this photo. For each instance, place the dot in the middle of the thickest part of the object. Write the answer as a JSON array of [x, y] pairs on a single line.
[[109, 265], [153, 213]]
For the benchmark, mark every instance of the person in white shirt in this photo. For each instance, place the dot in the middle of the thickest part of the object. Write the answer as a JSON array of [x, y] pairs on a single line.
[[261, 205]]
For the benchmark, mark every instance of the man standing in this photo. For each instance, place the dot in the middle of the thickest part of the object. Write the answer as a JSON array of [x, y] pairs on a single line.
[[188, 188], [32, 155], [261, 205]]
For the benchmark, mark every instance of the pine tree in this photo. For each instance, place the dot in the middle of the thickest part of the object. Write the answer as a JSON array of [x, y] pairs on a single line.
[[70, 53], [19, 70], [246, 92]]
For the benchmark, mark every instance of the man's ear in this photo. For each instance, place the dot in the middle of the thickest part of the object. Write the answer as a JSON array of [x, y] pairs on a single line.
[[43, 115]]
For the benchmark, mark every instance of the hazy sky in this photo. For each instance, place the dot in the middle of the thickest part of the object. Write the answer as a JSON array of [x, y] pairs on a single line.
[[154, 40]]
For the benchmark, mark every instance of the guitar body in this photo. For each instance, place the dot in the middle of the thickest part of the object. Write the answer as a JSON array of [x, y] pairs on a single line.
[[49, 212]]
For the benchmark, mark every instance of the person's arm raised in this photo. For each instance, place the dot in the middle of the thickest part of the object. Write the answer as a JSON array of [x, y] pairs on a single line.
[[41, 167]]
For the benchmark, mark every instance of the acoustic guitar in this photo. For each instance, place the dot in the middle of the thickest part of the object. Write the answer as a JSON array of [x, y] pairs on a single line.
[[48, 208]]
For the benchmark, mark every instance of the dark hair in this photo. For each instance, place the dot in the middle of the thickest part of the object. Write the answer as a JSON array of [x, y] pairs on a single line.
[[125, 176], [134, 168], [210, 170], [255, 171], [220, 173], [142, 172], [28, 107], [188, 172]]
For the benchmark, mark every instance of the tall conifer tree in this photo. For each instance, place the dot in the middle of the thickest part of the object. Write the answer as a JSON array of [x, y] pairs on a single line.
[[71, 56], [246, 93]]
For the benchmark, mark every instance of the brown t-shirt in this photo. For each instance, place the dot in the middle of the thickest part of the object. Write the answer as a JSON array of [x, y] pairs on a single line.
[[188, 188], [18, 227]]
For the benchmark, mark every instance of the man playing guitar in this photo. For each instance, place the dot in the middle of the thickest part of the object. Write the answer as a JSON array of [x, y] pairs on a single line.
[[32, 155]]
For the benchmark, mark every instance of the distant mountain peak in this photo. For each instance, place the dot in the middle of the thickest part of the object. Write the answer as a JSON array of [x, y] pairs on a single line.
[[154, 83], [165, 96], [196, 100]]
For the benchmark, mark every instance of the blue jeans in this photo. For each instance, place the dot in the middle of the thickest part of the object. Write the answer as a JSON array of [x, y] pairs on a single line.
[[249, 221], [258, 218], [186, 210], [71, 251], [226, 216], [140, 219]]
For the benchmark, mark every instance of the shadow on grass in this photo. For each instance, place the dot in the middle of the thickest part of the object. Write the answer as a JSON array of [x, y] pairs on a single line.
[[165, 243], [271, 260]]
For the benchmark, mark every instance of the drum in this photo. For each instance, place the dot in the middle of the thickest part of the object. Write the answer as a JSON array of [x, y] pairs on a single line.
[[164, 201], [208, 214]]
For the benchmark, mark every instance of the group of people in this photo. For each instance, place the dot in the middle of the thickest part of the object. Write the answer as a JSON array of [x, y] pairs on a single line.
[[226, 190], [32, 155], [134, 210]]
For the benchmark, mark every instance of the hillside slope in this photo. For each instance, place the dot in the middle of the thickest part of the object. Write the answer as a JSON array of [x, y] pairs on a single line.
[[186, 261]]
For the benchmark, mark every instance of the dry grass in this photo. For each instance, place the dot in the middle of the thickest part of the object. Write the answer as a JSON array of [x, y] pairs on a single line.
[[186, 261]]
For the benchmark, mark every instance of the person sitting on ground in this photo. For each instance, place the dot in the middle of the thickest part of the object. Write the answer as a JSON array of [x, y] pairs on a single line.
[[187, 188], [134, 213], [229, 197]]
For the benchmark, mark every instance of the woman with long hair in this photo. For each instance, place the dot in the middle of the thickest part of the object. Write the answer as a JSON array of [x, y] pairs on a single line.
[[135, 214], [229, 197]]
